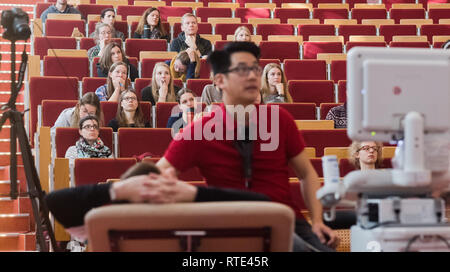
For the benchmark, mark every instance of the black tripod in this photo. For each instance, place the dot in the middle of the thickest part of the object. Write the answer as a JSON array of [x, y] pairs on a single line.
[[18, 132]]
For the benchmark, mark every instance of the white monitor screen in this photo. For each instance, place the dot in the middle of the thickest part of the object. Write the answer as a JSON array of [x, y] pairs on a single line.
[[384, 84]]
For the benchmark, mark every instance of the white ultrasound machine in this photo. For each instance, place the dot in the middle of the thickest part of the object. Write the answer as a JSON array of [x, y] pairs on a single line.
[[399, 95]]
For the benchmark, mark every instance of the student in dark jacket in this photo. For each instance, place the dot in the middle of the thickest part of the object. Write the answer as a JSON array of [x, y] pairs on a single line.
[[150, 27], [184, 113], [114, 53], [129, 113], [189, 39]]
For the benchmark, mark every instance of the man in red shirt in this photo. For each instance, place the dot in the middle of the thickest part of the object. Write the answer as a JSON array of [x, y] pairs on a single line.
[[252, 152]]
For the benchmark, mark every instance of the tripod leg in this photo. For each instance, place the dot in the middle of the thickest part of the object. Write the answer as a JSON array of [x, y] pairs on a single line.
[[34, 185]]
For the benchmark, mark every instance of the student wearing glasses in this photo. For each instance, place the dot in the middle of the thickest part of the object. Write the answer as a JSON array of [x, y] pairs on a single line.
[[366, 155], [89, 145], [129, 113], [102, 36]]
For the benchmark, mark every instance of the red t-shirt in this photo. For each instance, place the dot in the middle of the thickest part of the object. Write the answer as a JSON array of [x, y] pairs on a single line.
[[221, 164]]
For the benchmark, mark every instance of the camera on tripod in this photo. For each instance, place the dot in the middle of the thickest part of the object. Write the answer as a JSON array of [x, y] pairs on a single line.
[[15, 21]]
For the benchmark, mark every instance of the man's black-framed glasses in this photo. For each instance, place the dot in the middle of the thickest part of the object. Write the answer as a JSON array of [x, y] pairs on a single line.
[[244, 70]]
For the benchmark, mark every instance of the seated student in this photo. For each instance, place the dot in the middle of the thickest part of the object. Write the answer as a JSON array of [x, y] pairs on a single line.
[[60, 7], [274, 85], [242, 34], [366, 155], [161, 89], [114, 53], [184, 66], [187, 105], [89, 145], [89, 104], [211, 94], [108, 16], [339, 115], [129, 112], [102, 36], [150, 27], [116, 83], [70, 205], [189, 39]]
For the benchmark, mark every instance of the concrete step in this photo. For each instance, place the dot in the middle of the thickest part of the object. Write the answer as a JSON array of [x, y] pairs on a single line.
[[6, 53], [5, 158], [5, 187], [18, 242], [4, 97], [17, 223], [13, 206], [5, 86], [5, 65]]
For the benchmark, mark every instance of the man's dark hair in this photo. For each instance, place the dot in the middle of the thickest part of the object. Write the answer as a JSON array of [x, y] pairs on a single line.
[[446, 45], [103, 13], [86, 118], [220, 60]]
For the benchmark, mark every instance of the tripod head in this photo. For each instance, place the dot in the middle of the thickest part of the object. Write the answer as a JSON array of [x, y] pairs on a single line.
[[15, 21]]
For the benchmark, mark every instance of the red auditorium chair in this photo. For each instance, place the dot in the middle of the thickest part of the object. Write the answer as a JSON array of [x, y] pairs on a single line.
[[109, 109], [169, 2], [90, 84], [246, 13], [229, 29], [388, 3], [438, 13], [94, 62], [324, 108], [274, 29], [311, 49], [134, 46], [317, 30], [410, 44], [401, 13], [63, 27], [350, 45], [203, 28], [317, 164], [317, 2], [388, 31], [87, 9], [52, 108], [136, 141], [312, 91], [147, 66], [279, 50], [104, 169], [42, 44], [193, 174], [434, 30], [197, 85], [338, 70], [66, 137], [329, 13], [66, 66], [219, 45], [361, 13], [125, 11], [299, 111], [169, 11], [264, 62], [206, 2], [290, 13], [359, 30], [204, 13], [305, 69], [320, 139], [342, 91]]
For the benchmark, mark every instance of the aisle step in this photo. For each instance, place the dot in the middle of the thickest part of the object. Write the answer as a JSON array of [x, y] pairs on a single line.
[[17, 222], [18, 241]]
